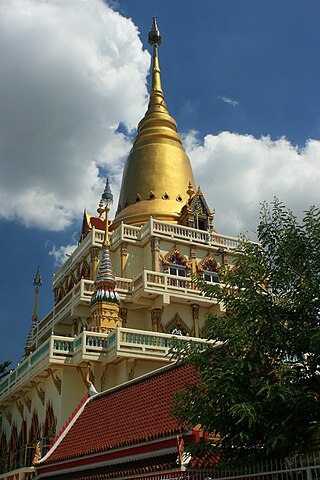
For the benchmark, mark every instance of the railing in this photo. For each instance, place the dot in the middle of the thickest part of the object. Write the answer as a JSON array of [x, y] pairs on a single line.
[[80, 293], [163, 282], [93, 239], [26, 369], [90, 345], [306, 468], [170, 230]]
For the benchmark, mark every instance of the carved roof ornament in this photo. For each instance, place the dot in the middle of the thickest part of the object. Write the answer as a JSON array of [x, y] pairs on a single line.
[[190, 190], [100, 209]]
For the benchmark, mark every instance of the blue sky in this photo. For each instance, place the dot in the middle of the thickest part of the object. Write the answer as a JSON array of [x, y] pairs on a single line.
[[241, 78]]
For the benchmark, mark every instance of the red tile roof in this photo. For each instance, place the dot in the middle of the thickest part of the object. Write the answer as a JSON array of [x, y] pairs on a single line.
[[132, 413]]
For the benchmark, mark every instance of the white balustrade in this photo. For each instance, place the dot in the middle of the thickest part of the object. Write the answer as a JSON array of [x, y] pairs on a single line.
[[73, 350]]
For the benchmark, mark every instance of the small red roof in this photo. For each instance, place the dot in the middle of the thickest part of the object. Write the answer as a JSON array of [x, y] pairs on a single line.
[[132, 413]]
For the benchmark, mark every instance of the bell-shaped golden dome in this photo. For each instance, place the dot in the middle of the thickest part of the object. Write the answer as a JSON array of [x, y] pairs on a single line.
[[157, 171]]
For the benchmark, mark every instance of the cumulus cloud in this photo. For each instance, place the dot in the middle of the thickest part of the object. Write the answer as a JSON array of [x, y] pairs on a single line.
[[238, 172], [70, 73], [61, 253], [229, 101]]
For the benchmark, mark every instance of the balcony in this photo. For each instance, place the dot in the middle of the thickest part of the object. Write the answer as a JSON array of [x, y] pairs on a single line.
[[132, 234], [156, 228], [79, 295], [151, 284], [92, 346]]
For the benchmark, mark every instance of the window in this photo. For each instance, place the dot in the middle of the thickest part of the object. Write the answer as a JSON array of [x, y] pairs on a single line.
[[178, 271], [211, 277]]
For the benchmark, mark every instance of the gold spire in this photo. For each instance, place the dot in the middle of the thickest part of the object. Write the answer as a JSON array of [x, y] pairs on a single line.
[[157, 171]]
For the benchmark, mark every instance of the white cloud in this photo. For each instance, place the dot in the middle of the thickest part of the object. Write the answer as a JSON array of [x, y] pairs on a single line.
[[60, 254], [238, 172], [71, 71], [229, 101]]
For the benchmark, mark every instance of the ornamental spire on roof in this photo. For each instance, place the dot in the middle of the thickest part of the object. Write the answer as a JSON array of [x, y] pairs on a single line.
[[37, 282], [157, 171], [105, 301]]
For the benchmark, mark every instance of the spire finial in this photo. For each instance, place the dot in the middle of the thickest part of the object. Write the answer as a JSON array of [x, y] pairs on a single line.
[[37, 282], [154, 37], [156, 93], [107, 197]]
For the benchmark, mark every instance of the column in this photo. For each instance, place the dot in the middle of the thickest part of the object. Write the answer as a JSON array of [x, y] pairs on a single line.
[[124, 258], [193, 259], [94, 252], [195, 319], [156, 315], [124, 316], [155, 251]]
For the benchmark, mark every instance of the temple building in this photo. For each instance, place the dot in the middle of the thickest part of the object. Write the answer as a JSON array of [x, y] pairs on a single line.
[[121, 300]]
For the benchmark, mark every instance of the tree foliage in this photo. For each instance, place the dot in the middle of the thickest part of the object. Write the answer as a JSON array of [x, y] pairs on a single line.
[[4, 368], [259, 388]]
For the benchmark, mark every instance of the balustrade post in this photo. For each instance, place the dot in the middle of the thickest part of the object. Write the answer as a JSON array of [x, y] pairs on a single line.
[[117, 337], [51, 346], [84, 341]]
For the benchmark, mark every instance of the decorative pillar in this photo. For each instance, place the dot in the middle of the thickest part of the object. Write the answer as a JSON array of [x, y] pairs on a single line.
[[155, 251], [124, 258], [156, 315], [124, 316], [195, 319], [94, 252], [193, 259]]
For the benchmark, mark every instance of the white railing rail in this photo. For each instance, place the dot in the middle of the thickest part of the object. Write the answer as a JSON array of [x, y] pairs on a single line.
[[80, 293], [72, 350], [174, 231], [159, 282]]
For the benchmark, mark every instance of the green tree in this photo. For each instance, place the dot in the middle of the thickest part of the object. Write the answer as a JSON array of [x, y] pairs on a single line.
[[4, 368], [259, 384]]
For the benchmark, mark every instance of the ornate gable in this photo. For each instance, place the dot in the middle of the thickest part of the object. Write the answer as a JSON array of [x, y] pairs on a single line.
[[176, 326], [208, 264], [196, 213], [175, 257]]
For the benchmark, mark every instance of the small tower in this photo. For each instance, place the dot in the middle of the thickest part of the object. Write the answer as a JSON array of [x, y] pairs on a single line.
[[105, 301], [37, 282]]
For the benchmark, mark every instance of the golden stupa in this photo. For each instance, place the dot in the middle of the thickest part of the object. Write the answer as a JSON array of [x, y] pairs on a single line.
[[158, 171]]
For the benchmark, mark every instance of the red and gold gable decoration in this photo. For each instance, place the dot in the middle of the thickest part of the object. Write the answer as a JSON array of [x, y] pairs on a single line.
[[175, 257], [208, 264]]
